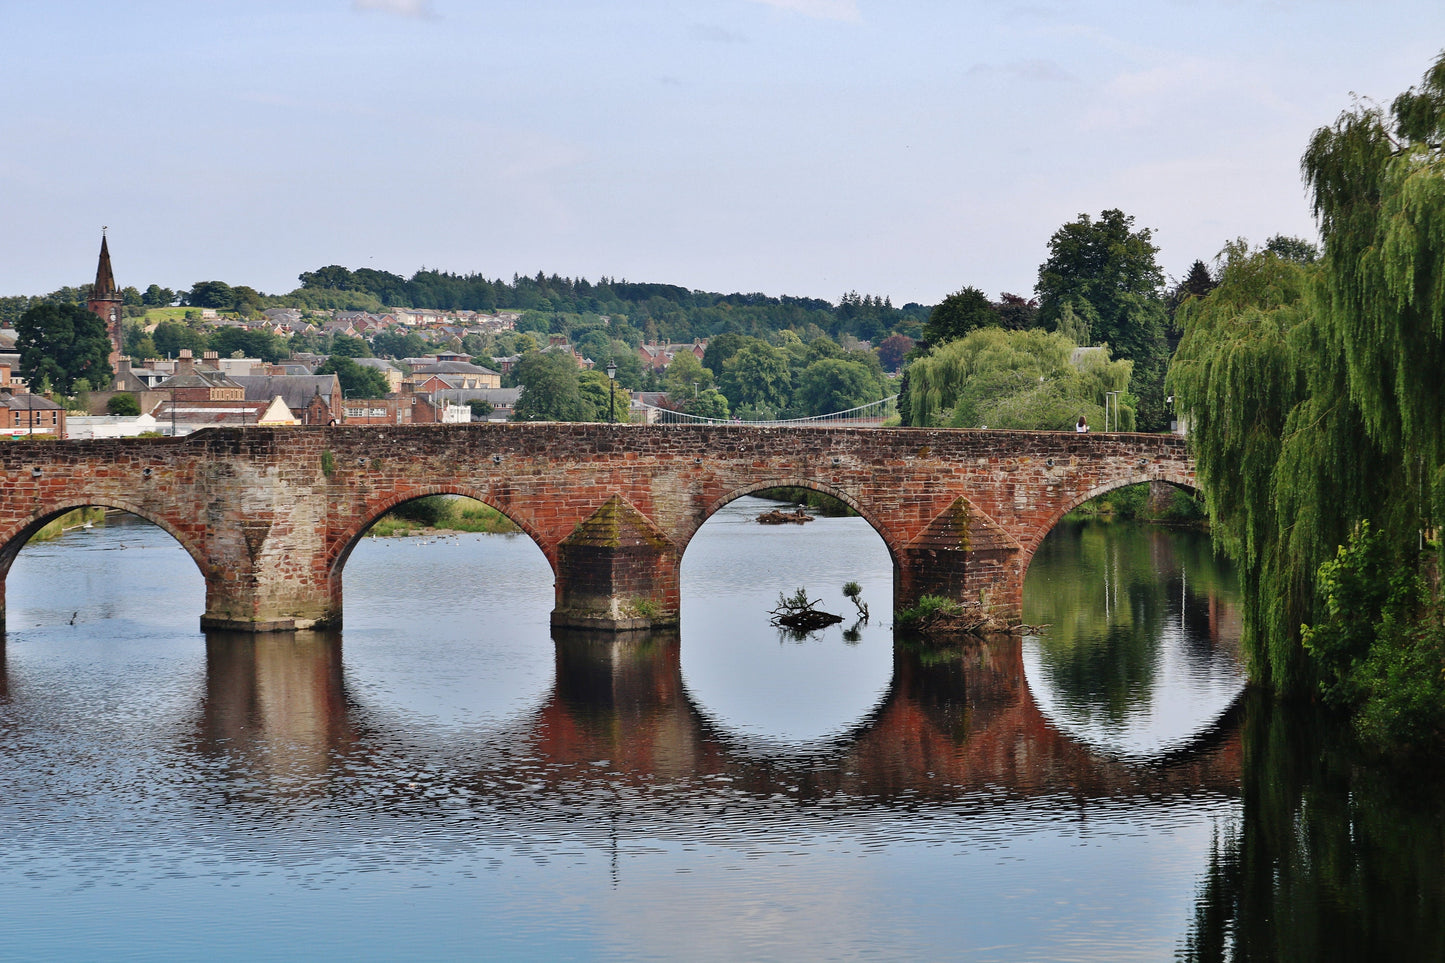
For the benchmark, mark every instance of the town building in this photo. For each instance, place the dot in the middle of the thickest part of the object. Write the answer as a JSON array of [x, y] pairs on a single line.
[[658, 356], [23, 414], [106, 302]]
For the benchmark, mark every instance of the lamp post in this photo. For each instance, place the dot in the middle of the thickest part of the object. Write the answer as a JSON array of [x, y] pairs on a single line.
[[1115, 396], [611, 399]]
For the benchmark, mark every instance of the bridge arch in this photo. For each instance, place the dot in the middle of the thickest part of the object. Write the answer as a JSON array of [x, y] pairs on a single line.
[[789, 481], [1075, 499], [14, 538], [351, 535], [271, 514]]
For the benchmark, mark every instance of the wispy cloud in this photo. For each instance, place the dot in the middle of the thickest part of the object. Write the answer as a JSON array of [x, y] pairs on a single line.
[[820, 9], [420, 9]]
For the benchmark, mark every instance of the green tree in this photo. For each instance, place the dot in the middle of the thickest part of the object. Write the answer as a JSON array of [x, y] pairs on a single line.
[[594, 387], [123, 403], [721, 348], [399, 344], [210, 294], [757, 377], [357, 381], [956, 315], [156, 296], [61, 343], [170, 337], [1379, 193], [1314, 399], [1292, 249], [835, 384], [1106, 273], [1014, 379], [686, 377], [551, 389], [480, 409], [333, 277], [138, 343], [345, 344], [1246, 375], [708, 404]]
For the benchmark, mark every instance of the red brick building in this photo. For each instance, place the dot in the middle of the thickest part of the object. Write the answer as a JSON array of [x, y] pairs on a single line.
[[106, 303]]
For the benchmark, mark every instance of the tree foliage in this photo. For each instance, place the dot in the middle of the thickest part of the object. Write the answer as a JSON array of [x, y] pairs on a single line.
[[757, 377], [551, 389], [1105, 273], [835, 384], [62, 343], [1314, 397], [1014, 379], [357, 381], [956, 315]]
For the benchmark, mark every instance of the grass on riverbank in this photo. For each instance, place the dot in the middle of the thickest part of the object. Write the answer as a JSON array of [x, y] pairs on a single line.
[[453, 513], [69, 521], [1133, 502], [820, 503]]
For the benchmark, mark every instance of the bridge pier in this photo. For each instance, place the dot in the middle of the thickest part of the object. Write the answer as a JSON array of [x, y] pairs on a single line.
[[989, 577], [965, 556], [616, 573], [272, 588]]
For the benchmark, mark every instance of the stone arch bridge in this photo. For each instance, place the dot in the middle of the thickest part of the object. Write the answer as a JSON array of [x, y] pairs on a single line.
[[271, 515]]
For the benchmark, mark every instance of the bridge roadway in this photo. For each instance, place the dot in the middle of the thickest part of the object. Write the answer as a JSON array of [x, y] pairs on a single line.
[[270, 515]]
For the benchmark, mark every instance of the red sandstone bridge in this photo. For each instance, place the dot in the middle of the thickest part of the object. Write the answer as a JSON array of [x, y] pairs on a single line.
[[271, 515]]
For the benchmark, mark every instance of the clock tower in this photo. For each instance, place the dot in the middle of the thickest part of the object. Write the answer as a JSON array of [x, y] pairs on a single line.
[[105, 302]]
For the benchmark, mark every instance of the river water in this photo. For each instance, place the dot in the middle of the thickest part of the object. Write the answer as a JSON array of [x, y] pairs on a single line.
[[445, 780]]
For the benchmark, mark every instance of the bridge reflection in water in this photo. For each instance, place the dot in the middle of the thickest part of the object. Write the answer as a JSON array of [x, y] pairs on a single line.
[[619, 716]]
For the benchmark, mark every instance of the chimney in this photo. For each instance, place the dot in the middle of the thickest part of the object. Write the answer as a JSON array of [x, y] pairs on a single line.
[[185, 363], [211, 358]]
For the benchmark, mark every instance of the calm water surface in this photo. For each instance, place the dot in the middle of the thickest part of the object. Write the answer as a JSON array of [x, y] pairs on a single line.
[[448, 781]]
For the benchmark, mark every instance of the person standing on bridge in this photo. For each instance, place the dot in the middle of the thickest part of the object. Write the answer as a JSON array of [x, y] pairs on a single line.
[[1082, 426]]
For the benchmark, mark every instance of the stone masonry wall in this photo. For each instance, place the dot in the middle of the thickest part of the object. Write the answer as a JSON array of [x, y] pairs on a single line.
[[270, 515]]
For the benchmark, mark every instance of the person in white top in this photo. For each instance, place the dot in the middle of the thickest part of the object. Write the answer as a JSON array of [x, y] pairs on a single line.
[[1082, 426]]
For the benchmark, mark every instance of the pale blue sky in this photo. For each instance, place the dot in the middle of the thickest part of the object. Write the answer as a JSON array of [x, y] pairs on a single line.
[[805, 147]]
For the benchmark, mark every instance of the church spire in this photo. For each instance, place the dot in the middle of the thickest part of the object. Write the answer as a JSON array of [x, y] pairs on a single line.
[[104, 289]]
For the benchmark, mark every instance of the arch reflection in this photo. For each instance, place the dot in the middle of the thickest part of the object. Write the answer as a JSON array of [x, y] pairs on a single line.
[[619, 717], [1143, 626]]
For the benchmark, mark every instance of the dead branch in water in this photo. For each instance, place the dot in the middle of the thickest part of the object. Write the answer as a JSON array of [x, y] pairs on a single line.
[[800, 614]]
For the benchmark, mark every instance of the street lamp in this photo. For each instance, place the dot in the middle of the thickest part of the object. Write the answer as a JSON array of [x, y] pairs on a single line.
[[611, 398], [1115, 396]]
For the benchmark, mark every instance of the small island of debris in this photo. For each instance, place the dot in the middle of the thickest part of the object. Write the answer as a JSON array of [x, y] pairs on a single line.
[[779, 517]]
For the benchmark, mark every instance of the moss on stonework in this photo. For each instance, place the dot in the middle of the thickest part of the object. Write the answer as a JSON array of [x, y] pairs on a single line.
[[961, 522], [616, 524]]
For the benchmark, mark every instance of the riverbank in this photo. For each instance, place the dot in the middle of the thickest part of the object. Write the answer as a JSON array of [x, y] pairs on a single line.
[[79, 518], [440, 515], [1157, 503]]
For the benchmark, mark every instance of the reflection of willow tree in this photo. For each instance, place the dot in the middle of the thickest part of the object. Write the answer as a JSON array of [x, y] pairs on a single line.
[[1106, 592], [1330, 861]]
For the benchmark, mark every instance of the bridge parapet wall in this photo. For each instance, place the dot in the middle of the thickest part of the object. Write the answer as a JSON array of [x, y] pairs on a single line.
[[270, 515]]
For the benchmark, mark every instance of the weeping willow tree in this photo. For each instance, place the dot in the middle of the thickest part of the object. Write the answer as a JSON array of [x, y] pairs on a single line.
[[1014, 379], [1315, 392], [1378, 183]]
